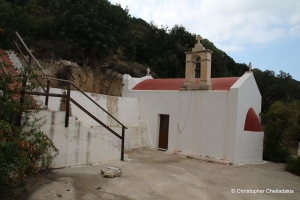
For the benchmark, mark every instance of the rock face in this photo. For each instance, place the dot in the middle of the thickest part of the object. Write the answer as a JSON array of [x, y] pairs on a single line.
[[93, 80], [111, 172], [68, 63]]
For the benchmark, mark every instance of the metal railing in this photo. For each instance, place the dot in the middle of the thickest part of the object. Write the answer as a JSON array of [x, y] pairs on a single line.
[[31, 57], [67, 96]]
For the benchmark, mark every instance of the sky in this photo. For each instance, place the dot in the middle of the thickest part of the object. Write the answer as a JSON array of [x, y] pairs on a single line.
[[263, 32]]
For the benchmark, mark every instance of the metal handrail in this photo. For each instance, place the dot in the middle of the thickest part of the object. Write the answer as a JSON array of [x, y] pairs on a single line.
[[104, 125], [92, 116], [28, 51], [67, 81], [69, 99], [28, 64]]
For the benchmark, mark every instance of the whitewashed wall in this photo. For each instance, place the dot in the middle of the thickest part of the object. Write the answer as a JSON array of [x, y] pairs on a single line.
[[206, 128], [125, 109], [81, 144], [197, 123], [129, 82], [249, 145], [78, 144], [198, 120], [54, 103]]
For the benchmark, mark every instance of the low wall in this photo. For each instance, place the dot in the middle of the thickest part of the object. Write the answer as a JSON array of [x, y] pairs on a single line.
[[81, 144], [124, 109], [77, 144]]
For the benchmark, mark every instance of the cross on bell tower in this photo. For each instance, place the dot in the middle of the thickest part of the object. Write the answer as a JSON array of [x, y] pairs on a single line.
[[198, 38], [198, 45]]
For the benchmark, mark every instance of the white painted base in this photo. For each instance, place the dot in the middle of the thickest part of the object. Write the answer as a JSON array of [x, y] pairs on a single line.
[[82, 144]]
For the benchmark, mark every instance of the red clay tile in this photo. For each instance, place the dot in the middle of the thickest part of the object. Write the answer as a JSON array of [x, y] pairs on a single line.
[[176, 83]]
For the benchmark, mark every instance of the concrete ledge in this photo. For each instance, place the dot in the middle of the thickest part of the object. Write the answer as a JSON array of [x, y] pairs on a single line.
[[196, 87], [203, 158]]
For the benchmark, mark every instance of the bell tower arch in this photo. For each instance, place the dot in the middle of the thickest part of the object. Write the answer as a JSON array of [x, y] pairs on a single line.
[[205, 70]]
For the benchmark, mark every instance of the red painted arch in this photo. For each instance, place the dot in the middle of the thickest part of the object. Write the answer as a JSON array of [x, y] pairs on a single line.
[[252, 122]]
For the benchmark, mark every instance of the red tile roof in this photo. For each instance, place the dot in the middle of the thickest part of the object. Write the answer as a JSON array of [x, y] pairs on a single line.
[[176, 83]]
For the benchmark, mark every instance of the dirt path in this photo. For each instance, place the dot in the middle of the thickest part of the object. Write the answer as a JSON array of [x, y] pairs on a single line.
[[151, 174]]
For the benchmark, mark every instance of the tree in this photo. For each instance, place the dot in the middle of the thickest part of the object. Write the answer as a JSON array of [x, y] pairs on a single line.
[[276, 88], [93, 27], [282, 130], [160, 48], [33, 19]]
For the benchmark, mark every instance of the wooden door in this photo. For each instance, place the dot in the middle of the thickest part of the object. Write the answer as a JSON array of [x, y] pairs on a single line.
[[163, 132]]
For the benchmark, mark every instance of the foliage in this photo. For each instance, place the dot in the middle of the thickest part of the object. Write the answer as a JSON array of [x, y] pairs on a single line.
[[281, 87], [24, 150], [133, 69], [160, 48], [163, 49], [222, 64], [93, 26], [88, 31], [31, 18], [274, 150], [293, 165], [282, 130]]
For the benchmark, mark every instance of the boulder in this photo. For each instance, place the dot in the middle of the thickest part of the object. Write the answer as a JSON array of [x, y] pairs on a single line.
[[111, 172]]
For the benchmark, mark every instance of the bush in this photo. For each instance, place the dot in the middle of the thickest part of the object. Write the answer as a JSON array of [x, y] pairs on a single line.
[[273, 147], [282, 130], [24, 150], [293, 165]]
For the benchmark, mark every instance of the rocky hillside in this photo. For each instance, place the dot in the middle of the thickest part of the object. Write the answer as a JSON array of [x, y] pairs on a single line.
[[101, 80]]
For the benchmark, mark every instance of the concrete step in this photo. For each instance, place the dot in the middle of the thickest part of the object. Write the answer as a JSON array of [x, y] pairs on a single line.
[[78, 144], [39, 103], [15, 60]]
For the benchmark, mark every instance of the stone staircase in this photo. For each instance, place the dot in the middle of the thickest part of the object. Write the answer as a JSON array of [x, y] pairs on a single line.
[[6, 63], [11, 59], [15, 60], [7, 67]]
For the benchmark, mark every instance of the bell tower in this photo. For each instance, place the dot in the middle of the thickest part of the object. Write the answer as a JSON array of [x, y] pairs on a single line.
[[199, 57]]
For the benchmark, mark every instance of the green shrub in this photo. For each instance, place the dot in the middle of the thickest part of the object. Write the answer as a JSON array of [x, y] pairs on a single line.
[[273, 147], [281, 130], [24, 149], [293, 165]]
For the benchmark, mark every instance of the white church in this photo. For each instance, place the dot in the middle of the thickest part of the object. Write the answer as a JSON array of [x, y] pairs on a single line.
[[209, 117], [206, 118]]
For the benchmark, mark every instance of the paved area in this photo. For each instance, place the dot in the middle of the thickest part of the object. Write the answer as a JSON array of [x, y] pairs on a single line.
[[152, 174]]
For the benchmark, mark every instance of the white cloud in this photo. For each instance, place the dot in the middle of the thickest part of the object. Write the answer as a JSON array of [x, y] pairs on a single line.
[[230, 48], [230, 24]]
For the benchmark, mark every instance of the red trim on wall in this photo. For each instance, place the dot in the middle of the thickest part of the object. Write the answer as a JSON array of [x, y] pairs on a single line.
[[252, 122]]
